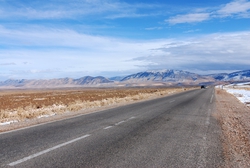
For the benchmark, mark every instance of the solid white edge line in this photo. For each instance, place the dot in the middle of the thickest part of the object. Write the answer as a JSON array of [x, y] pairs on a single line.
[[47, 150]]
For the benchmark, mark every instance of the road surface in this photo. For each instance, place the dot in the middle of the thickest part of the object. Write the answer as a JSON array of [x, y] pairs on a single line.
[[173, 131]]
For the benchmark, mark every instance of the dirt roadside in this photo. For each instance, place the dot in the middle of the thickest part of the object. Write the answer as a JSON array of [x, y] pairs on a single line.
[[234, 119]]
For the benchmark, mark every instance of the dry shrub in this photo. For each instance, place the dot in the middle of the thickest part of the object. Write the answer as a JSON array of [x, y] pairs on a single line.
[[23, 106]]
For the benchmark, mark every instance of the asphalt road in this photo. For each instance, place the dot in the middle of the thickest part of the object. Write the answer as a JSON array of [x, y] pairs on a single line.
[[174, 131]]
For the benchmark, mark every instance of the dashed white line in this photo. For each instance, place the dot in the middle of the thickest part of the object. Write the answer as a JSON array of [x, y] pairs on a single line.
[[47, 150], [211, 99], [123, 121], [60, 145], [172, 101], [208, 119], [204, 143], [108, 127], [120, 122]]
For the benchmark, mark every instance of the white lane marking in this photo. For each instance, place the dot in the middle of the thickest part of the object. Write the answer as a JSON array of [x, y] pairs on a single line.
[[131, 118], [49, 122], [211, 99], [204, 151], [208, 118], [47, 150], [120, 122], [123, 121], [172, 101], [108, 127]]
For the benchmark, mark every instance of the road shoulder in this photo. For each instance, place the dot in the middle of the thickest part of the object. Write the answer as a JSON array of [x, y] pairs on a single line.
[[234, 119]]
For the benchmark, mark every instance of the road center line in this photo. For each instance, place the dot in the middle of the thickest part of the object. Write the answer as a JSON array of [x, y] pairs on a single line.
[[120, 122], [47, 150], [131, 118], [172, 101], [108, 127], [211, 99]]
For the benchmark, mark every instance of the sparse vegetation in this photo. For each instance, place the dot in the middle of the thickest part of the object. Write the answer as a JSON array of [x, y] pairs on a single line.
[[23, 105]]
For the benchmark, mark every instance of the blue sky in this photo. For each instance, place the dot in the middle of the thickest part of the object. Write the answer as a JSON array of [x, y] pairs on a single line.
[[61, 38]]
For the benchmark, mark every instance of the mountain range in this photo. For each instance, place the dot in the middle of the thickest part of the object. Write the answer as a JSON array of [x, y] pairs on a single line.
[[61, 82], [147, 78]]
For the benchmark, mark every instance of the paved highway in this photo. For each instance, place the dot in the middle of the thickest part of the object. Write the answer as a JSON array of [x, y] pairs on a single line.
[[174, 131]]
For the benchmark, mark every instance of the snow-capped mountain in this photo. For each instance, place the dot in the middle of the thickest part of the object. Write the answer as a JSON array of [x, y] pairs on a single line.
[[89, 80], [147, 78], [235, 76], [184, 76], [116, 78], [165, 76]]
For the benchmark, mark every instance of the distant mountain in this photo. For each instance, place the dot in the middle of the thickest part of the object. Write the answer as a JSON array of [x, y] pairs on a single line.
[[88, 80], [217, 77], [235, 76], [12, 82], [147, 78], [179, 76], [175, 76], [238, 76], [62, 82], [117, 78]]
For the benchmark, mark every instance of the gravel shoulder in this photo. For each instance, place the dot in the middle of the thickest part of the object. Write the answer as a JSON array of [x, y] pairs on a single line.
[[234, 119]]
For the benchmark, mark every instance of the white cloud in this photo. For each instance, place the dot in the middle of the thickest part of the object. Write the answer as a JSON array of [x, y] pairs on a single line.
[[110, 9], [188, 18], [221, 51], [49, 53], [192, 31], [68, 51], [154, 28], [7, 64], [235, 7], [239, 8]]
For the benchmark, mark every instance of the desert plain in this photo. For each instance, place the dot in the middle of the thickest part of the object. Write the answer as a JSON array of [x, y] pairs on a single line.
[[23, 105]]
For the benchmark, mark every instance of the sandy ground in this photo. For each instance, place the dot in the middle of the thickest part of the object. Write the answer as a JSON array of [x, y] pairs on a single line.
[[234, 118]]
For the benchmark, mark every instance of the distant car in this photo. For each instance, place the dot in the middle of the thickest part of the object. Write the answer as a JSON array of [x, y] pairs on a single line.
[[203, 87]]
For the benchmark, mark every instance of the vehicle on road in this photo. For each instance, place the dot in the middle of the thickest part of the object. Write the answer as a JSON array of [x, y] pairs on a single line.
[[203, 87]]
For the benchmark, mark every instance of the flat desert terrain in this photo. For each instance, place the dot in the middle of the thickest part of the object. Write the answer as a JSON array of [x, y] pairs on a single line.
[[25, 105]]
